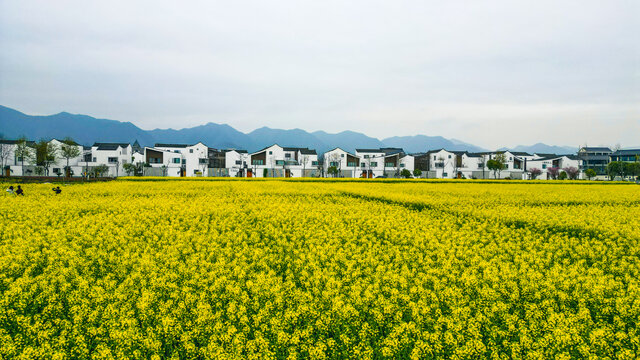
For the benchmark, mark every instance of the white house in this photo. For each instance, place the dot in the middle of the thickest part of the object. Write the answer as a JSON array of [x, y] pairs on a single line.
[[379, 162], [544, 162], [278, 161], [236, 162], [113, 155], [76, 164], [346, 163], [162, 162], [194, 158]]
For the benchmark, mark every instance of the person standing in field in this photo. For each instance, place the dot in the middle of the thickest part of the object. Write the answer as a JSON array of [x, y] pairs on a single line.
[[57, 190], [19, 191], [10, 190]]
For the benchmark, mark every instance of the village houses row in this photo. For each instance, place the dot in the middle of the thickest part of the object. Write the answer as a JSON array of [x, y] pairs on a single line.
[[178, 160]]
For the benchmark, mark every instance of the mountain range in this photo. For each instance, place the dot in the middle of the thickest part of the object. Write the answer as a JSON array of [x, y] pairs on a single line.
[[87, 130]]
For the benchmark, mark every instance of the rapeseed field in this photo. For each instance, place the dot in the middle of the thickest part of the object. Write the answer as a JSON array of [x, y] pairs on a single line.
[[199, 269]]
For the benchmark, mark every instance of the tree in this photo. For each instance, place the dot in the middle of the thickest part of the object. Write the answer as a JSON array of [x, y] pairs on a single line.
[[100, 170], [23, 151], [590, 173], [572, 172], [45, 155], [493, 165], [535, 172], [129, 168], [304, 159], [615, 168], [634, 169], [405, 174], [265, 172], [417, 172], [333, 170], [69, 150], [500, 161], [5, 154], [553, 172], [482, 163], [563, 175]]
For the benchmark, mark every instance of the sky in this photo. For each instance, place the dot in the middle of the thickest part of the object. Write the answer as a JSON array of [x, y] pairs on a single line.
[[490, 73]]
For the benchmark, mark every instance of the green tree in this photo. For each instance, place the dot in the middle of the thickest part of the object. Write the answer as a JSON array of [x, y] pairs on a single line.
[[405, 173], [590, 173], [69, 150], [615, 168], [45, 155], [129, 168], [332, 170], [265, 172], [494, 166], [563, 175], [23, 151], [100, 170], [417, 172]]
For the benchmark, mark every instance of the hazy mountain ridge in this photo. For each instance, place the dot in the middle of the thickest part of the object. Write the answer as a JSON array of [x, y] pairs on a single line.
[[87, 130]]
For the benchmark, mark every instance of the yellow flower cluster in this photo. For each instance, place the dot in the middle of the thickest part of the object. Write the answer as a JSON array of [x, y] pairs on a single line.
[[320, 269]]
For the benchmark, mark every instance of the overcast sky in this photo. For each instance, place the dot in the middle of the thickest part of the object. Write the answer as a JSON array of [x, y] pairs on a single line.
[[492, 73]]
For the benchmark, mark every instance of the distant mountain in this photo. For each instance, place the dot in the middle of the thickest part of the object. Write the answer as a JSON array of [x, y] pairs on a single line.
[[544, 149], [264, 136], [87, 130], [215, 135], [82, 128], [348, 140], [422, 143]]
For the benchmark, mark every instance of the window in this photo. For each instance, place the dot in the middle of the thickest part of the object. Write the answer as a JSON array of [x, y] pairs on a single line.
[[544, 166], [366, 156], [341, 155], [95, 159], [434, 157], [113, 160], [270, 152], [362, 165], [314, 163], [449, 156], [176, 151], [191, 151], [388, 164], [374, 164], [353, 164], [184, 161], [56, 170], [334, 163], [176, 160], [287, 155], [401, 165], [203, 161], [444, 174], [279, 162], [238, 162], [257, 162]]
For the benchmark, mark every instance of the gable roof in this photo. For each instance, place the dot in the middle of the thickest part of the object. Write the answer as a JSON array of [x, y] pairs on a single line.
[[172, 145], [110, 146], [626, 152], [600, 148]]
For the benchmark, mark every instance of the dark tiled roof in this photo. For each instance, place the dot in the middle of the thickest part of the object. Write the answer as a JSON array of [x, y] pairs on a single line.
[[547, 155], [386, 151], [520, 153], [308, 152], [595, 149], [626, 152], [111, 146], [173, 145]]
